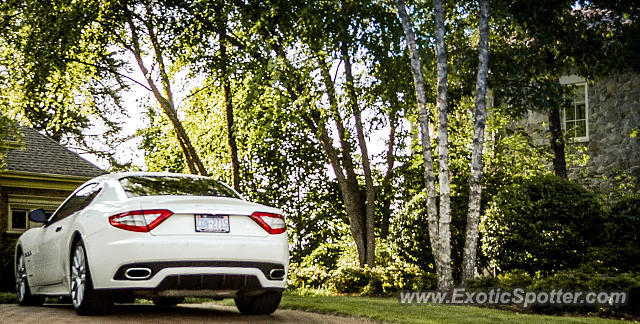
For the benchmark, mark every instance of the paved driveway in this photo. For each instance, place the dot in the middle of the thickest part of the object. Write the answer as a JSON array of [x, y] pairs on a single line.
[[186, 313]]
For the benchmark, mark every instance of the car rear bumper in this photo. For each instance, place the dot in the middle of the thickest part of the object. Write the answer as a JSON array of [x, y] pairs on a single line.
[[186, 262]]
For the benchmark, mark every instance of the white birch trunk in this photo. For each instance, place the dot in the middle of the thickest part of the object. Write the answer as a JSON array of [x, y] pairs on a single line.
[[475, 181], [423, 118], [445, 278]]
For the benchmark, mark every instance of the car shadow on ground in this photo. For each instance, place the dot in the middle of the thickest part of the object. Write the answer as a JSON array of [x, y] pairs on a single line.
[[183, 311]]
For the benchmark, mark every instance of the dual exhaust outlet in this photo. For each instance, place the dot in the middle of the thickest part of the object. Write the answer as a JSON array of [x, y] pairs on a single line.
[[137, 273], [145, 273]]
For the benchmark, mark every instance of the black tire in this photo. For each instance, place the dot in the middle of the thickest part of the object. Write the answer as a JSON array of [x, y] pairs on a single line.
[[263, 304], [85, 300], [23, 292], [167, 301]]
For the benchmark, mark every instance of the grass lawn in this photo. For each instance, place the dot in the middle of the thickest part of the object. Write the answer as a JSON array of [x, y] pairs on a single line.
[[8, 298], [388, 309]]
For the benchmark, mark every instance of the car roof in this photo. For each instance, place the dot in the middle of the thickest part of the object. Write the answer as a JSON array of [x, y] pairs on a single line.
[[119, 175]]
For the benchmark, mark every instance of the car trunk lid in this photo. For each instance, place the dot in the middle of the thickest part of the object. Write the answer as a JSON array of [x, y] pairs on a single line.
[[232, 212]]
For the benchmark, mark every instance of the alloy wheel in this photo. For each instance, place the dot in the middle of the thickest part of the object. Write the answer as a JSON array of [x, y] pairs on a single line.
[[78, 276], [21, 278]]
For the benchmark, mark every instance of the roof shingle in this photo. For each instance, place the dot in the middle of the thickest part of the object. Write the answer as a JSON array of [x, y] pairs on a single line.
[[41, 154]]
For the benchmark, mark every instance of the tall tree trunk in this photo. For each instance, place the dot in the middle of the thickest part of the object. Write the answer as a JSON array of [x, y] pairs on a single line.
[[557, 143], [475, 180], [386, 181], [370, 257], [342, 166], [444, 221], [350, 189], [423, 118], [194, 164], [228, 103]]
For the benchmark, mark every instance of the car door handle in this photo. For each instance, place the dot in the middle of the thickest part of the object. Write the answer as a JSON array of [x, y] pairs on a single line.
[[58, 228]]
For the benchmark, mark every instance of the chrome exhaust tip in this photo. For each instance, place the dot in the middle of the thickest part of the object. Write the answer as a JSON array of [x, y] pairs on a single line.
[[137, 273], [277, 274]]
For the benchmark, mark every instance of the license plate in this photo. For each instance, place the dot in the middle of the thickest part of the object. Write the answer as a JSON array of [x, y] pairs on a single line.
[[212, 223]]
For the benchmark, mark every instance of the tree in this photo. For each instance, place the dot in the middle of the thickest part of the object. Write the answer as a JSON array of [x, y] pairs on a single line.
[[439, 222], [444, 221], [475, 179], [322, 37], [143, 17], [539, 41], [48, 84], [83, 48]]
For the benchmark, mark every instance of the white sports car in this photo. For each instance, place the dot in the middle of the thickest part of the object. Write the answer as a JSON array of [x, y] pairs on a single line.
[[154, 235]]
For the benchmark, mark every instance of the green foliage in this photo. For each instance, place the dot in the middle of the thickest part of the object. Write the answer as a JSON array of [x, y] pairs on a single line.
[[314, 277], [582, 279], [506, 280], [388, 310], [8, 298], [409, 234], [7, 278], [589, 281], [54, 70], [541, 225], [326, 255], [345, 276], [620, 250], [350, 279], [509, 157]]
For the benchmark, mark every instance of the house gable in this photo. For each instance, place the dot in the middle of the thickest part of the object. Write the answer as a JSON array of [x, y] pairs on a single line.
[[39, 173]]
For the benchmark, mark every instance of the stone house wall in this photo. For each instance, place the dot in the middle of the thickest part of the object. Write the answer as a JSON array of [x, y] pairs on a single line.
[[613, 115]]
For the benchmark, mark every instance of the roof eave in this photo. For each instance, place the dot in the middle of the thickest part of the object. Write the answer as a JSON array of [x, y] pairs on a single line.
[[32, 180]]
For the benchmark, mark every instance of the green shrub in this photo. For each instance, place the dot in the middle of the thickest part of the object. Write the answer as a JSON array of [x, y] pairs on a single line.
[[7, 280], [541, 225], [578, 280], [483, 283], [350, 279], [423, 281], [507, 280], [515, 278], [308, 277], [621, 249], [8, 298], [409, 234], [326, 255], [569, 280]]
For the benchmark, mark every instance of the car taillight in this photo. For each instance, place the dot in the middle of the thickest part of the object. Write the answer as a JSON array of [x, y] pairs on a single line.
[[140, 220], [272, 223]]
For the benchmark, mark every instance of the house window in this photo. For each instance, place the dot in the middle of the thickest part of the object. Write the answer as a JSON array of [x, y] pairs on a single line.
[[19, 207], [20, 219], [576, 116]]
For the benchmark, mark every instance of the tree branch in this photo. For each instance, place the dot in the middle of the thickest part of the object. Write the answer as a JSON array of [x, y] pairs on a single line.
[[109, 69]]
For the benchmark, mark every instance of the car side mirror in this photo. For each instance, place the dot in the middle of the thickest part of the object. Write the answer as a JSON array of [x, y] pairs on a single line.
[[38, 216]]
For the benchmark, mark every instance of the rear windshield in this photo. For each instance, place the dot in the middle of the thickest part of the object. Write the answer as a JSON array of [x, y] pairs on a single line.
[[136, 186]]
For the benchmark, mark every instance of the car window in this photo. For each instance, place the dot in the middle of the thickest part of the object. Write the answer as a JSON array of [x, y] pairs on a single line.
[[81, 199], [136, 186]]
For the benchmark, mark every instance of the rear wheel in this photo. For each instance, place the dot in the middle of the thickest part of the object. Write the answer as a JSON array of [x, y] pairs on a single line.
[[23, 292], [85, 299], [263, 304]]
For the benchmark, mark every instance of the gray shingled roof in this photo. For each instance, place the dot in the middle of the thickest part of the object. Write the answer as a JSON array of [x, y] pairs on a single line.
[[41, 154]]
